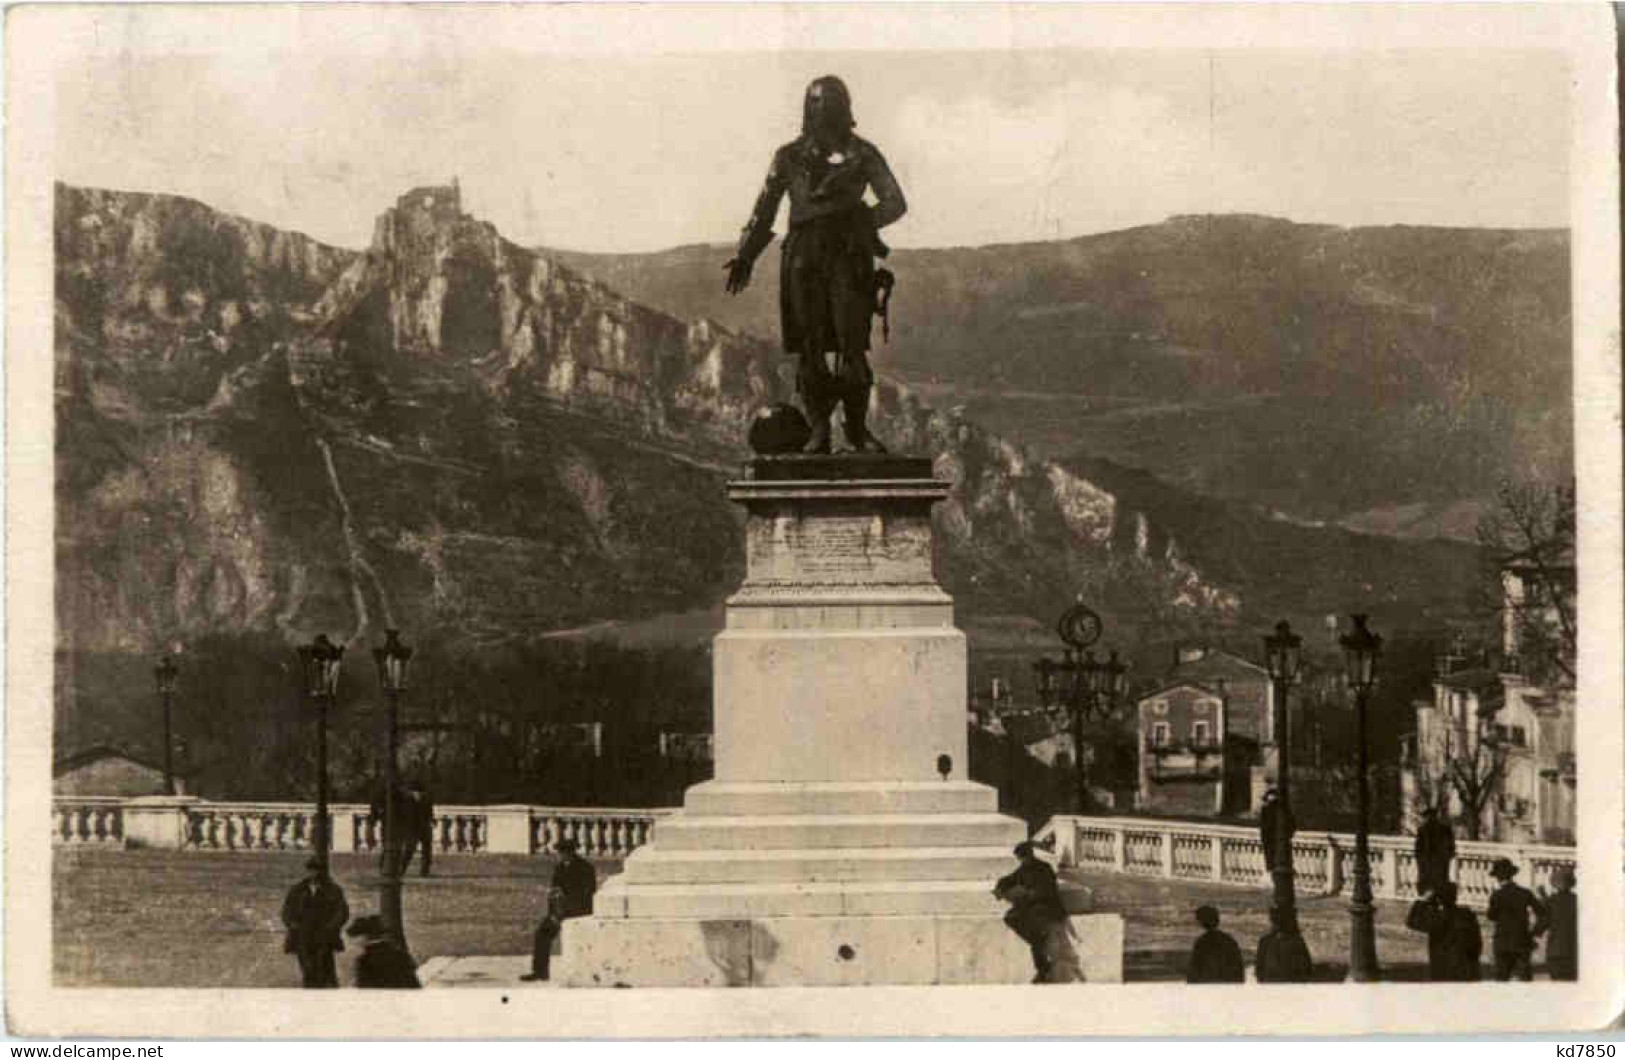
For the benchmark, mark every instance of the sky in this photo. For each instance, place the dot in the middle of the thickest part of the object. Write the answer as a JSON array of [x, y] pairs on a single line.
[[625, 152]]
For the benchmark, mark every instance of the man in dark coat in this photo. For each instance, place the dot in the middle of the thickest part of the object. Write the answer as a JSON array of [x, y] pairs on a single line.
[[421, 821], [314, 913], [382, 965], [1435, 848], [405, 828], [569, 895], [1563, 944], [827, 284], [1273, 819], [1283, 956], [1035, 908], [1519, 920], [1215, 958], [1454, 942]]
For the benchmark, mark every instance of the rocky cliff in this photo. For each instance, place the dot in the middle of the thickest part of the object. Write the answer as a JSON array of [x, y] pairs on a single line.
[[446, 431]]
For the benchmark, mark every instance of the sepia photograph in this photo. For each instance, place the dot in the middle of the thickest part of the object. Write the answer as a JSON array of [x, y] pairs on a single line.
[[744, 520]]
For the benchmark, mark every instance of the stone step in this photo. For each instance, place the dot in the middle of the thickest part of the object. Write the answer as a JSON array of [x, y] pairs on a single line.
[[719, 799], [830, 831], [916, 950], [654, 865], [621, 899]]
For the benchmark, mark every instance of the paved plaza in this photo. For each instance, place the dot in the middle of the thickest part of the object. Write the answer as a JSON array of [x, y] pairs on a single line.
[[165, 918]]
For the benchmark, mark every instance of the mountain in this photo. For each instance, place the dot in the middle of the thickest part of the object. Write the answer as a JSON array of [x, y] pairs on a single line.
[[262, 436], [1411, 368]]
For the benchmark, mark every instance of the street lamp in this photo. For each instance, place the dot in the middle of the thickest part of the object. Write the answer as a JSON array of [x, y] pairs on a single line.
[[1092, 688], [1282, 652], [1361, 649], [392, 660], [1045, 668], [164, 674], [320, 666]]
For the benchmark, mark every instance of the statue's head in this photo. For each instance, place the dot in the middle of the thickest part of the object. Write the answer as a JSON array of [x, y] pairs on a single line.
[[826, 110]]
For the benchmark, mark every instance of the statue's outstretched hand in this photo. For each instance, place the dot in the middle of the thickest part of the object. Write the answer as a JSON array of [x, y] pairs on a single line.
[[738, 275]]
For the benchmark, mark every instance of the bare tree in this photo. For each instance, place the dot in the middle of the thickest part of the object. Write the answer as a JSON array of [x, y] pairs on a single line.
[[1529, 544], [1466, 769]]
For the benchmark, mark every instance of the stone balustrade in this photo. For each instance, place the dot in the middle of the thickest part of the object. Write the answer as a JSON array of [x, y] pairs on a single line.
[[599, 832], [189, 823], [1323, 861], [1179, 850], [88, 820]]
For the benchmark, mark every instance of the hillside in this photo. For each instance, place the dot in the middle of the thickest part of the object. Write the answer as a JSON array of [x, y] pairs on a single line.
[[261, 438], [1408, 366], [450, 432]]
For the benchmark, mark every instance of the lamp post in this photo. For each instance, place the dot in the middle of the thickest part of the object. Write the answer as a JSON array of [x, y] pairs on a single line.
[[164, 674], [1361, 649], [1281, 650], [320, 665], [392, 660], [1093, 688]]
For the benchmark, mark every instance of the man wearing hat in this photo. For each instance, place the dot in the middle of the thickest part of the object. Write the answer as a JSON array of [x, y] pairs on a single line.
[[314, 913], [569, 895], [1435, 848], [1035, 908], [382, 965], [1519, 919], [420, 826], [1273, 820], [1563, 944]]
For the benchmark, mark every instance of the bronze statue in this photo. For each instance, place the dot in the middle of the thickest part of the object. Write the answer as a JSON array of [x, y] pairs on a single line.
[[829, 284]]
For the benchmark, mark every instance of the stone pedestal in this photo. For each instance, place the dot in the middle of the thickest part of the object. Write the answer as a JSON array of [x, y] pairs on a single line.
[[157, 821], [508, 830], [830, 847]]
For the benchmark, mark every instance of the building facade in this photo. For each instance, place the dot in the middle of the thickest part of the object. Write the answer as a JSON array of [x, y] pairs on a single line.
[[1494, 748], [1182, 750], [1248, 736]]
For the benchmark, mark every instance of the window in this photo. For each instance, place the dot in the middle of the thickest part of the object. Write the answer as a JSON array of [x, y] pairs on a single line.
[[1159, 706], [1199, 731], [1160, 733], [1204, 705]]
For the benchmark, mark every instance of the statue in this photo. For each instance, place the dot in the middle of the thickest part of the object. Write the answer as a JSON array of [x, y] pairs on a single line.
[[829, 288]]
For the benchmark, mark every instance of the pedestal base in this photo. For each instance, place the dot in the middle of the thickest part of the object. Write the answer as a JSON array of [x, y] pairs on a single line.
[[820, 951]]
